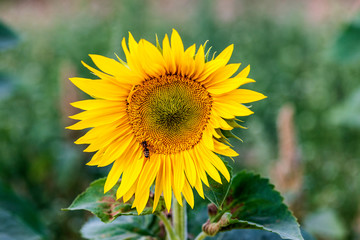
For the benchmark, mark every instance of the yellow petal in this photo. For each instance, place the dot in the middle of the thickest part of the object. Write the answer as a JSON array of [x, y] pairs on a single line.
[[100, 88], [96, 159], [114, 174], [206, 164], [167, 181], [132, 60], [218, 163], [108, 65], [96, 122], [131, 173], [188, 194], [188, 64], [152, 61], [178, 48], [229, 110], [179, 176], [218, 122], [98, 73], [226, 86], [130, 193], [132, 43], [199, 62], [141, 199], [199, 166], [148, 173], [168, 55], [119, 148], [159, 182], [226, 53], [93, 133], [221, 75], [244, 73], [91, 104], [241, 96], [108, 137], [96, 113], [210, 67], [146, 179], [208, 138], [190, 169], [225, 150], [199, 188]]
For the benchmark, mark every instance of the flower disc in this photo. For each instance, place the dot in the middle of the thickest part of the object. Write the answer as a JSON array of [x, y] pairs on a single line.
[[169, 113]]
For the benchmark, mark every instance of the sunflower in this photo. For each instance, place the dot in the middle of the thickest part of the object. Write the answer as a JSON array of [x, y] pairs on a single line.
[[162, 118]]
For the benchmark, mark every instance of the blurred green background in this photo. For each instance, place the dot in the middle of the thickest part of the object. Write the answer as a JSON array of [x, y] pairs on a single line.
[[304, 55]]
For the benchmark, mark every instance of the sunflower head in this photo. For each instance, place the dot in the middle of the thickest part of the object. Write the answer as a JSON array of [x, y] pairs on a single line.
[[161, 118]]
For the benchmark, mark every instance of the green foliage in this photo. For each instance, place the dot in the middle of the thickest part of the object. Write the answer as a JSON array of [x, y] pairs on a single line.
[[6, 86], [254, 204], [13, 228], [325, 223], [347, 47], [124, 227], [19, 219], [347, 112], [217, 192], [253, 234], [105, 206], [8, 38]]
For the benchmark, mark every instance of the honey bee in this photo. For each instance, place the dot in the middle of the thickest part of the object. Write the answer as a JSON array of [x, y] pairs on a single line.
[[146, 150]]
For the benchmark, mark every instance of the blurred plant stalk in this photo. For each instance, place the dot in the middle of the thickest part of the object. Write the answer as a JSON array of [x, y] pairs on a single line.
[[287, 173]]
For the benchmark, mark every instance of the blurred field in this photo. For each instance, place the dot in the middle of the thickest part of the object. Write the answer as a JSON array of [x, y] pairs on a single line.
[[298, 57]]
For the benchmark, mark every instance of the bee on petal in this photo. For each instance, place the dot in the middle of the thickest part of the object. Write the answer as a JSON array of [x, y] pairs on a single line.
[[146, 150]]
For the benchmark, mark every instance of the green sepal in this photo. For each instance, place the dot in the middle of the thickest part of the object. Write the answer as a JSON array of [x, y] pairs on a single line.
[[225, 134], [253, 203], [217, 192], [229, 134], [222, 137], [213, 57], [233, 123], [158, 44], [105, 206], [121, 61], [207, 54]]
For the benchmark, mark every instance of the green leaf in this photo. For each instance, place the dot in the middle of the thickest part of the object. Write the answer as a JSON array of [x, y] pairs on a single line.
[[253, 234], [347, 112], [7, 37], [253, 203], [22, 212], [105, 206], [13, 228], [124, 227], [217, 192], [325, 223], [6, 86], [347, 47]]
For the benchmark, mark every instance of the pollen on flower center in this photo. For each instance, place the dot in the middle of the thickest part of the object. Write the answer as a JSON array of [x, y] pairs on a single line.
[[169, 113]]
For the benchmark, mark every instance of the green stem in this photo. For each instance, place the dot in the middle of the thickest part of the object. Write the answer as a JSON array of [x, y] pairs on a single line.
[[220, 213], [201, 236], [180, 219], [169, 229]]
